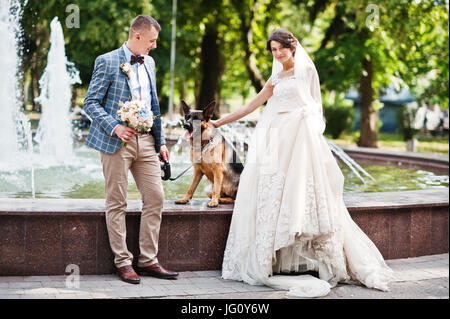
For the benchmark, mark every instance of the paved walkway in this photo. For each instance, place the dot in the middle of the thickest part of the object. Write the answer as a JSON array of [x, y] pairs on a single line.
[[417, 278]]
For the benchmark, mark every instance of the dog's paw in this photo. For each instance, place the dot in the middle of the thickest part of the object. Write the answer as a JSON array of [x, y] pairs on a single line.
[[213, 203], [181, 201]]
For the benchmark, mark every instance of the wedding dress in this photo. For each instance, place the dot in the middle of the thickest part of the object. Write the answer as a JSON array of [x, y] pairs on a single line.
[[289, 214]]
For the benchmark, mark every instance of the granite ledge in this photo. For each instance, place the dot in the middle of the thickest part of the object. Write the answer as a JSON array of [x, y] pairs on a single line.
[[399, 154], [355, 202]]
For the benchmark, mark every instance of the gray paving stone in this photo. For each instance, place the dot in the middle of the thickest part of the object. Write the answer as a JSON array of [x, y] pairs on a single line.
[[100, 283], [41, 291], [224, 290], [59, 278], [206, 280], [12, 291], [181, 281], [157, 281], [11, 278], [171, 290], [38, 296], [208, 273], [23, 284], [69, 291], [54, 284], [189, 274], [114, 283], [422, 277], [98, 277], [36, 278]]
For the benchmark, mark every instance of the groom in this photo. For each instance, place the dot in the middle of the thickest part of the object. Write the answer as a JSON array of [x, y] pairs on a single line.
[[109, 86]]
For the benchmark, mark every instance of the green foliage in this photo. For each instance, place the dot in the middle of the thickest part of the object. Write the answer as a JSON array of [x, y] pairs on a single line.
[[104, 26], [409, 43], [420, 31], [339, 114]]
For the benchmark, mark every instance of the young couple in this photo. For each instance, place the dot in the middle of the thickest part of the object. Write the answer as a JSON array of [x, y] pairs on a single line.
[[289, 214]]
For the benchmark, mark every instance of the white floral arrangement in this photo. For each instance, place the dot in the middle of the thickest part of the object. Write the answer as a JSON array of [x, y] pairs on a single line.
[[136, 114], [126, 68]]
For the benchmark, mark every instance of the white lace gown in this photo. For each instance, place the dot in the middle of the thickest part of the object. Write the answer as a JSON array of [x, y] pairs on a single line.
[[289, 213]]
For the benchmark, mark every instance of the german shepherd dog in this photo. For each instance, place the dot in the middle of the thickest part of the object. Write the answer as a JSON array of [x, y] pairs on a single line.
[[212, 155]]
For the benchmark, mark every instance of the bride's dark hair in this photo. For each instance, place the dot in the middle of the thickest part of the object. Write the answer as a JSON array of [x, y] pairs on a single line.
[[285, 37]]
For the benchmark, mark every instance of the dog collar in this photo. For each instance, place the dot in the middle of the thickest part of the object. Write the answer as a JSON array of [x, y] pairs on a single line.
[[212, 143]]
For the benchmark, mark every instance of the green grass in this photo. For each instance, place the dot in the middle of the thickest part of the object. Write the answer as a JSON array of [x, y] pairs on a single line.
[[395, 142]]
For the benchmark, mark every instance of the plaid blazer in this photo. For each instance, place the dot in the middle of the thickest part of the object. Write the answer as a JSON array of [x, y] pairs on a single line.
[[109, 86]]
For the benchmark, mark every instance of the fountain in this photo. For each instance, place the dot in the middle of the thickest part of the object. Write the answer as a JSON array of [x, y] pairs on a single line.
[[14, 124], [10, 127], [54, 134], [355, 167]]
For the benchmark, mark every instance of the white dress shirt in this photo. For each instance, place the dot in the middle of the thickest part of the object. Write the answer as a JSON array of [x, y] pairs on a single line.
[[140, 84]]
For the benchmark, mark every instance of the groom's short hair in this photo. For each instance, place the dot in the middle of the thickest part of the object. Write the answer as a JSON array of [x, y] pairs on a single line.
[[143, 22]]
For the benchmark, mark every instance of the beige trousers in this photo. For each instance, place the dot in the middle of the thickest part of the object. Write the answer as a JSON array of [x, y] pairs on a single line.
[[138, 156]]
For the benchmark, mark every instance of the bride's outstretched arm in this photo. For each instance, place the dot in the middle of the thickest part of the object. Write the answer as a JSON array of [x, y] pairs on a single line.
[[256, 102]]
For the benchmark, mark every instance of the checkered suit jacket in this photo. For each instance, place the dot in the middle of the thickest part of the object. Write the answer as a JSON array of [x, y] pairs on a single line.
[[109, 86]]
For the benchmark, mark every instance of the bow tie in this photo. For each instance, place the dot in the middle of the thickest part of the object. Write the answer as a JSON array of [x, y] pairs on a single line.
[[135, 59]]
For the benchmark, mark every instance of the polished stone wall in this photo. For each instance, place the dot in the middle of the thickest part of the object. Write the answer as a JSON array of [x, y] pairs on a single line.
[[42, 237]]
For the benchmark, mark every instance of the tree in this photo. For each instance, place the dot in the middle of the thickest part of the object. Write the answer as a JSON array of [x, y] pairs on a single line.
[[364, 46], [422, 49], [211, 58], [254, 17], [103, 27]]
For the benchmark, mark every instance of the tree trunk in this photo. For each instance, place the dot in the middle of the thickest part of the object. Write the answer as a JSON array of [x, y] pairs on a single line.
[[74, 101], [211, 68], [369, 116], [182, 88], [247, 39]]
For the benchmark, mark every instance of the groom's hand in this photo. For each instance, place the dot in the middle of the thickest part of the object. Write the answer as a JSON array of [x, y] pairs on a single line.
[[164, 152], [124, 133]]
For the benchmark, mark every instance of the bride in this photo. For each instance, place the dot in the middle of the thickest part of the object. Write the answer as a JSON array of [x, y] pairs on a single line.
[[289, 215]]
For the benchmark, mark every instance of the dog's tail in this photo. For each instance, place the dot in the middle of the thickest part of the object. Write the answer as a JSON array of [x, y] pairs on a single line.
[[234, 161]]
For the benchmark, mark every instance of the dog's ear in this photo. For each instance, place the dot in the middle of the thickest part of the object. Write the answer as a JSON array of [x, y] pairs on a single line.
[[209, 110], [186, 107]]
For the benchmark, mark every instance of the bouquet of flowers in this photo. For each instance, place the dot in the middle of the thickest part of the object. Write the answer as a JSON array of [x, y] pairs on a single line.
[[136, 114]]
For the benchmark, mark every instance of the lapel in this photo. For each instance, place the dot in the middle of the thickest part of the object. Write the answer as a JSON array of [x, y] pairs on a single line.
[[150, 73], [123, 59]]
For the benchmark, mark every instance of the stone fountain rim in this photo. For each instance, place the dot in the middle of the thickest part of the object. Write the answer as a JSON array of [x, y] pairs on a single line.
[[355, 202], [411, 155]]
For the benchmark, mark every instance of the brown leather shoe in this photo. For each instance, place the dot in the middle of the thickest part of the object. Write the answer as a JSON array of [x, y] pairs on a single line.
[[127, 274], [156, 270]]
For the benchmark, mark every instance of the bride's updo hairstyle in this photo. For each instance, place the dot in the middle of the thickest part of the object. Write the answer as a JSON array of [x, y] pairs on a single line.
[[285, 37]]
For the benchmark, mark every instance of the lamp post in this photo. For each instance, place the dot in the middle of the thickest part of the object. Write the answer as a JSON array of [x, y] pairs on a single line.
[[172, 59]]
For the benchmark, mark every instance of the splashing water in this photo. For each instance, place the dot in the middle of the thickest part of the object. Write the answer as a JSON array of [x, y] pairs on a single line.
[[355, 167], [25, 122], [10, 32], [54, 134]]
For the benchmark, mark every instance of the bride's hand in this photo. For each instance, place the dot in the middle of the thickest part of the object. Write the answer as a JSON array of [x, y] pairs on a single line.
[[214, 122]]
